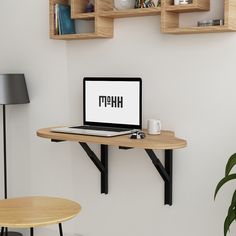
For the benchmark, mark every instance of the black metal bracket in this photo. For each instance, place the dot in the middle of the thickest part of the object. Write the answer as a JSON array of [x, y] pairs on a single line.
[[125, 148], [102, 164], [57, 141], [31, 231], [165, 172]]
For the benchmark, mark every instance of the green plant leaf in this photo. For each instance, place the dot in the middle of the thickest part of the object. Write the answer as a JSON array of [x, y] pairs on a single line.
[[231, 214], [229, 219], [230, 164], [223, 181], [232, 207]]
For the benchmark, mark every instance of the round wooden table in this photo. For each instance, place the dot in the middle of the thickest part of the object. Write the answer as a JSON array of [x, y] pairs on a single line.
[[30, 212]]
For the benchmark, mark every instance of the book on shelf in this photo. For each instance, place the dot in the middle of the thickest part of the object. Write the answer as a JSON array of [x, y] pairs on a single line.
[[63, 22], [56, 19]]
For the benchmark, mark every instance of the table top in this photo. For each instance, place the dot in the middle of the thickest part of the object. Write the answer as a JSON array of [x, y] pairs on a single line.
[[166, 140], [27, 212]]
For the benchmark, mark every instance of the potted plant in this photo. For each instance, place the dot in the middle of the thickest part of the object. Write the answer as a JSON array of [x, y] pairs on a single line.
[[231, 216]]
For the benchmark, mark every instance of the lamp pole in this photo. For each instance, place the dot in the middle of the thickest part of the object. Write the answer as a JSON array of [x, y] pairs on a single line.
[[5, 157], [5, 151]]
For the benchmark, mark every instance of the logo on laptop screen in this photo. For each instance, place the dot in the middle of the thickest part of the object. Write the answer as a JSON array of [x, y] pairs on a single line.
[[111, 101]]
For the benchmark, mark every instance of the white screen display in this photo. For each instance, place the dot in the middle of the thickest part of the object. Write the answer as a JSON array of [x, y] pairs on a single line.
[[116, 102]]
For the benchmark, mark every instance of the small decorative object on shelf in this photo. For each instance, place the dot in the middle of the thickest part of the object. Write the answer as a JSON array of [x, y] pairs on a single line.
[[90, 6], [210, 23], [124, 4], [182, 2], [158, 3], [176, 2], [144, 3]]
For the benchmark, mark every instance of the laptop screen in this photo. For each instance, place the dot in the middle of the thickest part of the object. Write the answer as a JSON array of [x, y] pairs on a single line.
[[115, 102]]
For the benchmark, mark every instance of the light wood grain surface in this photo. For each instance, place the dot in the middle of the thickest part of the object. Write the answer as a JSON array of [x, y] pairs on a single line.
[[186, 8], [131, 12], [198, 30], [166, 140], [78, 36], [29, 212]]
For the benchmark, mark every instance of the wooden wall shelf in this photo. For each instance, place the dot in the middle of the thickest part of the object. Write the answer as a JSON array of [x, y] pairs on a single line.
[[104, 15]]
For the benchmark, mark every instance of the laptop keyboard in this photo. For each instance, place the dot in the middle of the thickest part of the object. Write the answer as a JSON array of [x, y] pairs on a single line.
[[90, 127]]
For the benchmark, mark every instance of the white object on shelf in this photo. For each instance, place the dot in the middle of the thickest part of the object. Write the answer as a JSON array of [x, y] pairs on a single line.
[[124, 4], [184, 2], [176, 2]]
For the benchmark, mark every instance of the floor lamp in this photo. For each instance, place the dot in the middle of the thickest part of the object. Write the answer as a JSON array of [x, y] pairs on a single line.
[[13, 90]]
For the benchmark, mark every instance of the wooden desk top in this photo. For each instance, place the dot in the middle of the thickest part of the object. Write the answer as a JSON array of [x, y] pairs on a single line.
[[166, 140], [30, 212]]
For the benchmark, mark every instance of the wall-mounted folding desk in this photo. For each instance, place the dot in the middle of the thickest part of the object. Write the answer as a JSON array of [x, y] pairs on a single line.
[[166, 141]]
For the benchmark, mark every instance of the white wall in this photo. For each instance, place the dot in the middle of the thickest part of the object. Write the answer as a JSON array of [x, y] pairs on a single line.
[[189, 83]]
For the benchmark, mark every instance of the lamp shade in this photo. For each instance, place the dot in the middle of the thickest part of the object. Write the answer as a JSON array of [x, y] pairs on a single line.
[[13, 89]]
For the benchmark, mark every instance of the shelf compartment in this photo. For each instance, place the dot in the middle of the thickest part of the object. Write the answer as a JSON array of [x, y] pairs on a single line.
[[186, 8], [196, 5], [170, 21], [52, 14], [87, 25], [198, 30], [131, 12], [78, 9]]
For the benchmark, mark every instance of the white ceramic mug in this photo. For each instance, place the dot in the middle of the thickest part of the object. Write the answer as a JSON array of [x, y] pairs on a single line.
[[154, 126]]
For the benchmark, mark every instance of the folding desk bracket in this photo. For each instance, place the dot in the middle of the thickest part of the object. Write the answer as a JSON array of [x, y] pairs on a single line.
[[102, 164], [165, 172]]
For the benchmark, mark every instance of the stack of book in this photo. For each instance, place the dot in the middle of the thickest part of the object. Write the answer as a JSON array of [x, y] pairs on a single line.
[[63, 22], [217, 22]]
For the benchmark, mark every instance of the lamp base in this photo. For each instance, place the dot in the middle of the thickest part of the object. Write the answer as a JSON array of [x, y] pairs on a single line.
[[11, 233]]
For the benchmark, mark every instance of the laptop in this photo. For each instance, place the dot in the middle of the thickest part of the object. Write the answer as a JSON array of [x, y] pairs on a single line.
[[111, 107]]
